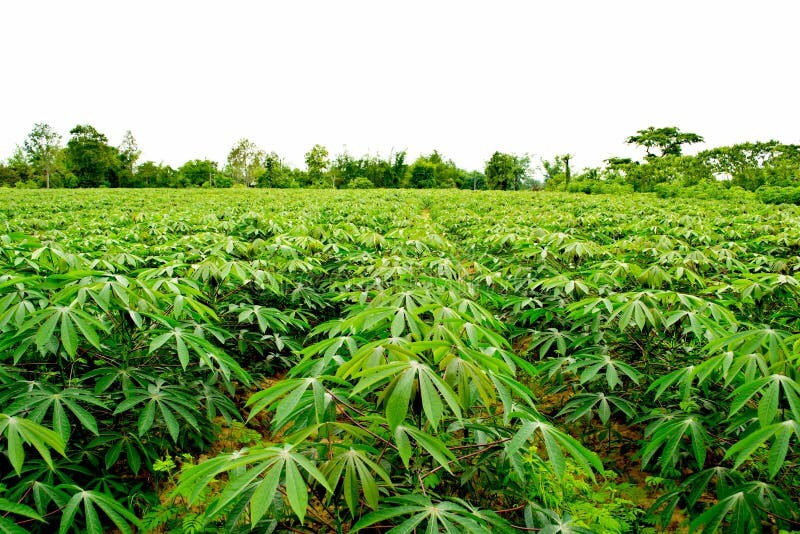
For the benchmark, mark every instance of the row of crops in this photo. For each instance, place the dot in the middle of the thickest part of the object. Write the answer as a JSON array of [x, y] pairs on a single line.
[[339, 361]]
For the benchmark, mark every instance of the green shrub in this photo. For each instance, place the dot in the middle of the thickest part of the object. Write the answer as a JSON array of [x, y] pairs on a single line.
[[779, 195], [360, 182]]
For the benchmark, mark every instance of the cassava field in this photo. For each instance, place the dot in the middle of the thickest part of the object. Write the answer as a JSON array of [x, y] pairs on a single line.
[[421, 361]]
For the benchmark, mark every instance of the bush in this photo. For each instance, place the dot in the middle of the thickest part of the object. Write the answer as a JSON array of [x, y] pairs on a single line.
[[706, 190], [360, 182], [599, 187], [26, 184], [778, 195]]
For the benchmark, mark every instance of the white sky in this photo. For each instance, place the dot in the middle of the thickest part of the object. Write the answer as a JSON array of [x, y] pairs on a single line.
[[466, 78]]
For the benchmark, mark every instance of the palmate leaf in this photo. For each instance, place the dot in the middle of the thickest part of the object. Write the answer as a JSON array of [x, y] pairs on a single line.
[[356, 470], [18, 431], [743, 449], [16, 508], [170, 402], [772, 389], [546, 340], [38, 402], [291, 397], [186, 339], [668, 435], [263, 468], [92, 501], [639, 309], [590, 365], [741, 509], [771, 342], [134, 451], [697, 323], [432, 391], [74, 323], [431, 444], [435, 516], [468, 371], [395, 384], [586, 404], [267, 318], [682, 377], [555, 442]]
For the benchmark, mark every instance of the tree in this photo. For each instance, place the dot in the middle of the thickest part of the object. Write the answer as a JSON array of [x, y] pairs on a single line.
[[473, 180], [317, 164], [17, 172], [553, 171], [276, 173], [381, 172], [197, 173], [8, 176], [151, 174], [91, 159], [669, 141], [682, 170], [422, 174], [41, 148], [397, 170], [244, 162], [751, 165], [128, 154], [345, 168], [617, 162], [434, 170], [507, 171]]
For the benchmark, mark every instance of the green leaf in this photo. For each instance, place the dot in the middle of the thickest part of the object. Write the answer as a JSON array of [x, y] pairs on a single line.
[[19, 509], [710, 520], [431, 403], [434, 446], [397, 403], [265, 493], [744, 393], [68, 513], [69, 337], [169, 419], [768, 405], [18, 430], [93, 525], [45, 332], [146, 418], [398, 323], [86, 419], [16, 454], [87, 330], [60, 421], [403, 445], [159, 341], [290, 401], [745, 447], [11, 527], [265, 398], [381, 515], [183, 352], [777, 454], [296, 490]]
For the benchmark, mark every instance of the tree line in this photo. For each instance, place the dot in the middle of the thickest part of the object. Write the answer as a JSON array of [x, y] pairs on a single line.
[[88, 160], [664, 168]]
